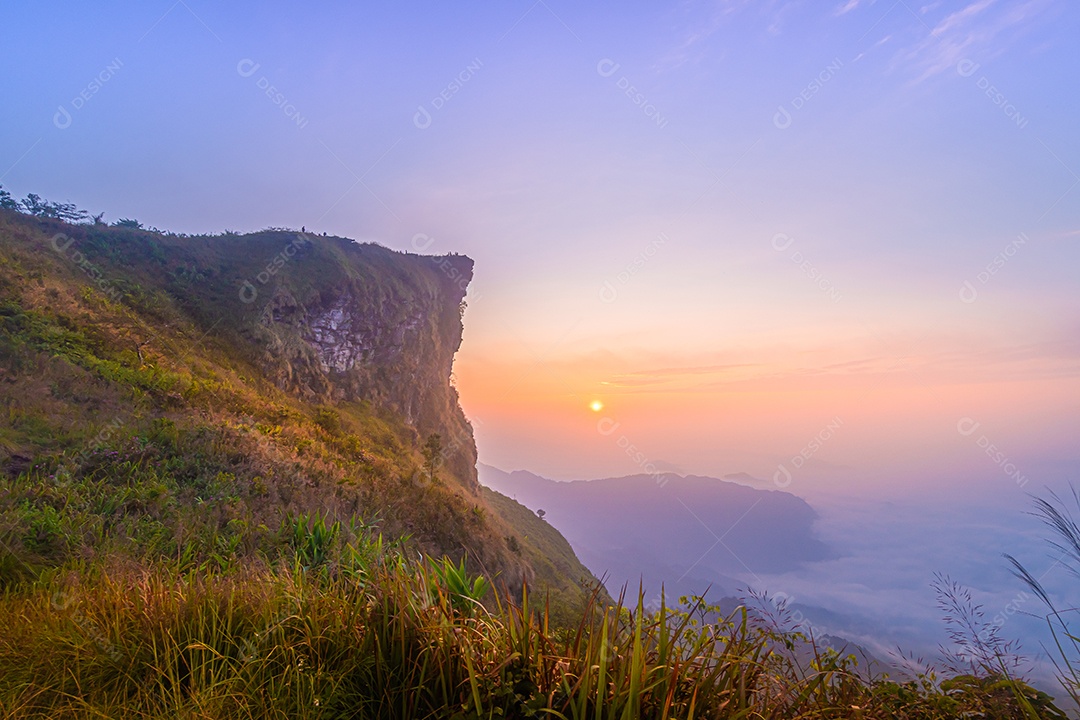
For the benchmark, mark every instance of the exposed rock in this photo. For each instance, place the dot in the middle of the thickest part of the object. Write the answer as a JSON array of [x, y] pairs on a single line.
[[385, 330]]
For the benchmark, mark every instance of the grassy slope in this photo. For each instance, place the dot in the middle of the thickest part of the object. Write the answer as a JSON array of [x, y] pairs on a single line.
[[141, 417], [555, 560]]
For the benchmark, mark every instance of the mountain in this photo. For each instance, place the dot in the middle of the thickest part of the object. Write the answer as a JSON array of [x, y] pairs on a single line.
[[689, 533], [191, 396], [631, 529]]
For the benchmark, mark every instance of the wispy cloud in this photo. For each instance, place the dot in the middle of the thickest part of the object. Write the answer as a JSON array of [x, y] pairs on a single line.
[[977, 31], [704, 19], [1050, 358], [847, 7], [960, 17], [663, 376]]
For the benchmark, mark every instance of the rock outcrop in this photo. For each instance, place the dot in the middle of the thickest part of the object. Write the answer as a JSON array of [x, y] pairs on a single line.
[[372, 325]]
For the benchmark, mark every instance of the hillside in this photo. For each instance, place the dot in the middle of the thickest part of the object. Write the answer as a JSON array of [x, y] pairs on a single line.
[[168, 396], [230, 468]]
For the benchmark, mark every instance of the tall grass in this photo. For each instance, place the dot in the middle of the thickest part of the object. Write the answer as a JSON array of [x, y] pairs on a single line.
[[406, 639], [1065, 541]]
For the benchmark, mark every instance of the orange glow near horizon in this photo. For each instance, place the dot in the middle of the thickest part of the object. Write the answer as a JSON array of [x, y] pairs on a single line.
[[890, 417]]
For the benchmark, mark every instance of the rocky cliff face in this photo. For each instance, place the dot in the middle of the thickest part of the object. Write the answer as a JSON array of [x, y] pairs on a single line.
[[347, 322]]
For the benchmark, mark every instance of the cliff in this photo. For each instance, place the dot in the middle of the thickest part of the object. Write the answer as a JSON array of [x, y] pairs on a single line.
[[171, 395], [364, 323]]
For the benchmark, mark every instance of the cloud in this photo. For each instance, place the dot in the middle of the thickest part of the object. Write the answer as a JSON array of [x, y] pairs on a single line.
[[878, 590], [974, 32], [706, 18], [847, 7], [1054, 356], [685, 51], [668, 375], [960, 17]]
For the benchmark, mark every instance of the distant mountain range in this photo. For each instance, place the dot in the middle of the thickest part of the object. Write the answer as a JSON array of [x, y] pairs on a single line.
[[689, 534]]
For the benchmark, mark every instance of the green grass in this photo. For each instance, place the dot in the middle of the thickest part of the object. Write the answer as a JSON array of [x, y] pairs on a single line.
[[557, 567], [379, 636]]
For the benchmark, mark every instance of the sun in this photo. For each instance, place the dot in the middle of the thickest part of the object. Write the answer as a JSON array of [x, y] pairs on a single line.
[[596, 406]]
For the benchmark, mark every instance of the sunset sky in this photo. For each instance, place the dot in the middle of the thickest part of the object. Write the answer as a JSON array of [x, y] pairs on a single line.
[[734, 225]]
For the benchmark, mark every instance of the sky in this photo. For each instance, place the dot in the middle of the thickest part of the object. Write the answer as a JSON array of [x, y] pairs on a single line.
[[733, 224], [830, 245]]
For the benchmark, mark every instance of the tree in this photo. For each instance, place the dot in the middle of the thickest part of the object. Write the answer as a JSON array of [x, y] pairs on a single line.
[[68, 212], [34, 205], [432, 452], [128, 223], [541, 513], [6, 201]]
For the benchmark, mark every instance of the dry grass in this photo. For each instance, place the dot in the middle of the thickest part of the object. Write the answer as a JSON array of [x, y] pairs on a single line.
[[386, 638]]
